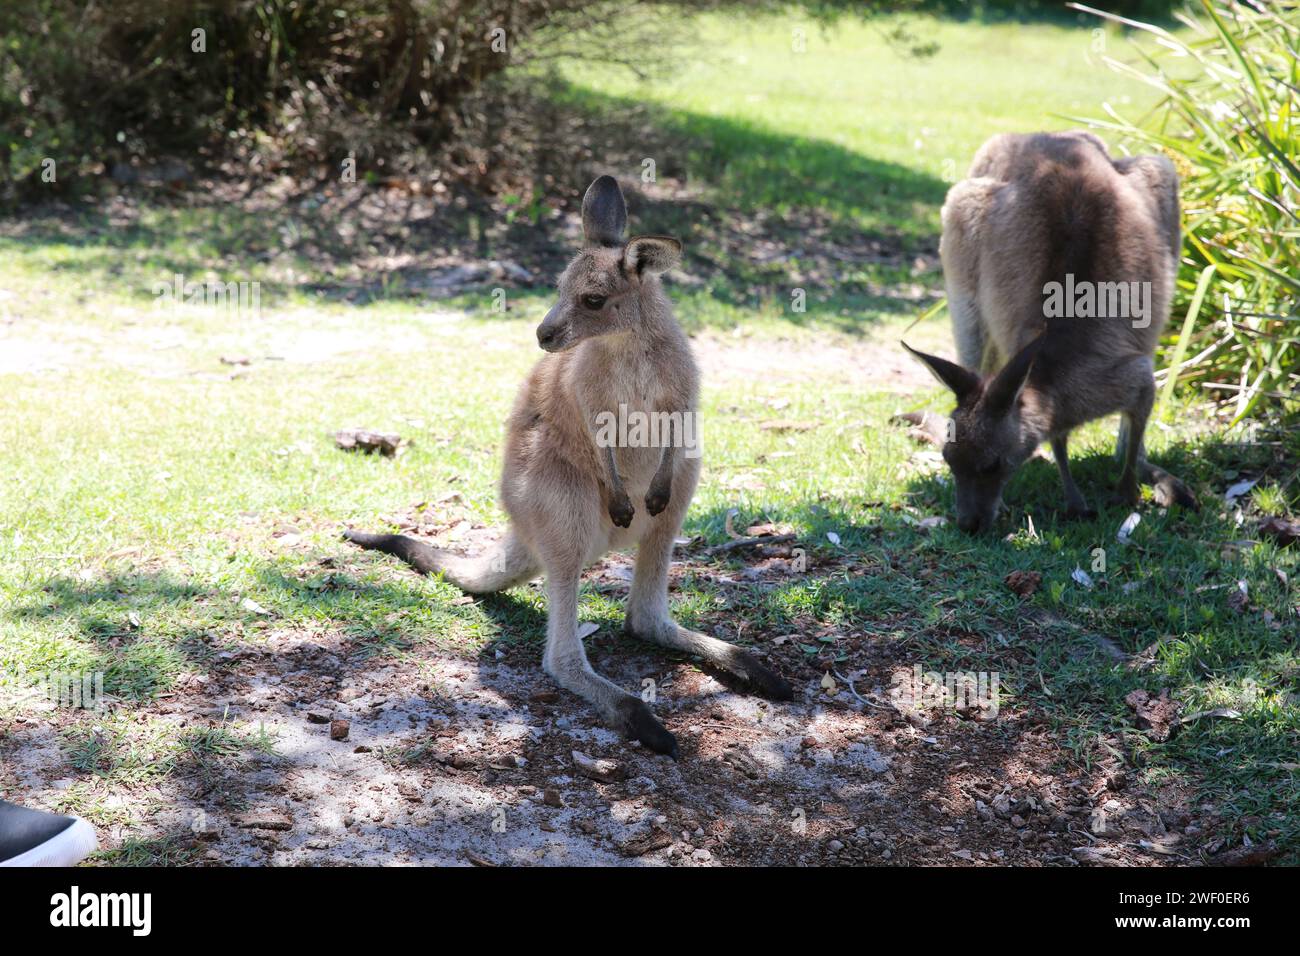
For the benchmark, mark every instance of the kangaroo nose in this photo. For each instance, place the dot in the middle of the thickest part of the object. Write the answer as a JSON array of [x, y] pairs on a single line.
[[545, 336], [969, 523]]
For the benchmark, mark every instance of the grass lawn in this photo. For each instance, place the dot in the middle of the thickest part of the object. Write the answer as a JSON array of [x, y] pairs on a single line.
[[164, 513]]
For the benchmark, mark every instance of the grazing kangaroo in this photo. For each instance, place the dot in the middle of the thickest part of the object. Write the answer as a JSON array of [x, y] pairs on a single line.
[[569, 485], [1060, 265]]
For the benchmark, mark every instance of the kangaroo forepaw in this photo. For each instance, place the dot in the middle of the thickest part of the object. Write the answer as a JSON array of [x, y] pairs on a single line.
[[656, 501], [621, 511], [765, 681], [638, 722]]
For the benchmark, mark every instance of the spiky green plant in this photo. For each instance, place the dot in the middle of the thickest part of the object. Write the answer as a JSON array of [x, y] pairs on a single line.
[[1230, 120]]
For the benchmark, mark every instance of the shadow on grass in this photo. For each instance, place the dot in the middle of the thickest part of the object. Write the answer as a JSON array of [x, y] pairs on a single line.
[[1193, 605], [886, 597], [764, 213], [1158, 12]]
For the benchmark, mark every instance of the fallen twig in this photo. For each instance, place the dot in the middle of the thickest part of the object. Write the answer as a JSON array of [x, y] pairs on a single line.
[[747, 542]]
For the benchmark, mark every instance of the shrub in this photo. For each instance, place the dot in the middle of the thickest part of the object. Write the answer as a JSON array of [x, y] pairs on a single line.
[[1230, 119], [102, 83]]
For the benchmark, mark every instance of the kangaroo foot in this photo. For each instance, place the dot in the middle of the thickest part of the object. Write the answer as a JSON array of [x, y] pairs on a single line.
[[1168, 491], [766, 682], [637, 722]]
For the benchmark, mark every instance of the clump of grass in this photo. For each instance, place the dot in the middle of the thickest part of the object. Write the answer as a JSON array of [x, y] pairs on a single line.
[[1230, 120]]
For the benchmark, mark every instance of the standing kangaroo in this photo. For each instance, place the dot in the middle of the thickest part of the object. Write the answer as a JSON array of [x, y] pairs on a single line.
[[615, 351], [1060, 265]]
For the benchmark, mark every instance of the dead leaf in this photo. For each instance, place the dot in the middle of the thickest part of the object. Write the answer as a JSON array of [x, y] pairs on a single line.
[[362, 439], [602, 771], [646, 843], [787, 425], [248, 604], [1285, 531], [1245, 855], [1024, 583], [264, 820], [1097, 855], [1226, 712]]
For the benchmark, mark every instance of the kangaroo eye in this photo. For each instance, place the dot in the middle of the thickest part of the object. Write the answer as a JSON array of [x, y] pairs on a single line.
[[593, 302]]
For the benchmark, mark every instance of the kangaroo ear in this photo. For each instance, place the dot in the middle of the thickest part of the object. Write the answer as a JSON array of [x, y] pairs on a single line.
[[604, 213], [962, 381], [1005, 388], [653, 254]]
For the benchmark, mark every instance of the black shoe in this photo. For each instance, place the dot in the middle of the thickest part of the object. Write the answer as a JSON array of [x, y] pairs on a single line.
[[37, 838]]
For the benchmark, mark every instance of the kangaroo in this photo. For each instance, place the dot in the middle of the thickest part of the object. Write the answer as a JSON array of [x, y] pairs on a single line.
[[1060, 264], [569, 486]]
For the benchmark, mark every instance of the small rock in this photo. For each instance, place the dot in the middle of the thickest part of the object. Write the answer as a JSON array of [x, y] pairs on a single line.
[[339, 729], [552, 798]]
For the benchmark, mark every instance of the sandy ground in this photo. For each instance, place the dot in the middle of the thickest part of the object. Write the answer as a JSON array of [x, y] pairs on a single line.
[[454, 759], [475, 764]]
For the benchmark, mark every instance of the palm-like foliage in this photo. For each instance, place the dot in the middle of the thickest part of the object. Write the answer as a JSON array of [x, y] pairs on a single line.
[[1230, 119]]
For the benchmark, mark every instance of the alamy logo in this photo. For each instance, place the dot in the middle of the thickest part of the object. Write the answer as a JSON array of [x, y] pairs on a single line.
[[242, 298], [1098, 300], [103, 909], [637, 429], [962, 690], [81, 690]]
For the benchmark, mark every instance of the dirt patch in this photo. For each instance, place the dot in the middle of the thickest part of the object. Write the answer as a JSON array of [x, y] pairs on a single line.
[[874, 360], [457, 759]]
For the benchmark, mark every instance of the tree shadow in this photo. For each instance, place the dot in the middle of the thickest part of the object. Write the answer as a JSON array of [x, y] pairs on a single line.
[[761, 214]]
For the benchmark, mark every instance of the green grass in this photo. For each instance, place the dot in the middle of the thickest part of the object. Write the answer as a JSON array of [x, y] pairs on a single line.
[[148, 488], [850, 126]]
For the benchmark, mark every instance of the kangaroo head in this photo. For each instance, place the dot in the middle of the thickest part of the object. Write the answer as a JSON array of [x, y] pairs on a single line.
[[988, 438], [612, 285]]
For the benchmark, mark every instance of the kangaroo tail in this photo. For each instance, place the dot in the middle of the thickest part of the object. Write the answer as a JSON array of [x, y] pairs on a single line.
[[505, 564]]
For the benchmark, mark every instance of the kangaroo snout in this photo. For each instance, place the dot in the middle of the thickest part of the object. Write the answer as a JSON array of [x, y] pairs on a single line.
[[550, 337], [553, 332]]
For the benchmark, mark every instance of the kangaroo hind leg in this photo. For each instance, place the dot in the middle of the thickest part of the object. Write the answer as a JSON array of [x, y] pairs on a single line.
[[648, 618]]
